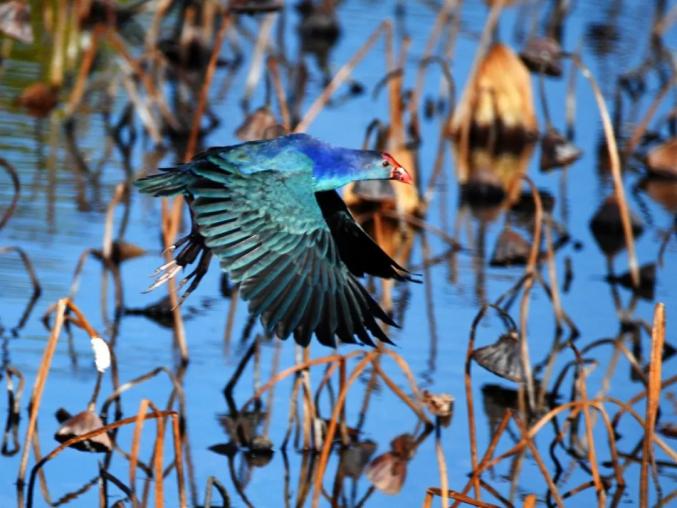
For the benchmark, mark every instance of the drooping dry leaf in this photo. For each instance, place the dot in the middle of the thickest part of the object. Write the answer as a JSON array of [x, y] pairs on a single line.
[[502, 358], [543, 54], [80, 424]]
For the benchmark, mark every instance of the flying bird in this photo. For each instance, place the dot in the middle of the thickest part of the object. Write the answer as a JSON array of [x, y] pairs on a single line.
[[270, 213]]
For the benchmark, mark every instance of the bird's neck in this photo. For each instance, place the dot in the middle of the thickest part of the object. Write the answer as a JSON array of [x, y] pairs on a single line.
[[342, 167]]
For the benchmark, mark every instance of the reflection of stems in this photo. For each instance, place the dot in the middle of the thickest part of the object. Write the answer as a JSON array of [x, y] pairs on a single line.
[[641, 127], [331, 428], [489, 453], [529, 282], [17, 190], [554, 491], [342, 74]]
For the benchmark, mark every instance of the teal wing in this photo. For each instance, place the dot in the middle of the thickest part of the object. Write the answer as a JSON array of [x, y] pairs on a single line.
[[269, 234]]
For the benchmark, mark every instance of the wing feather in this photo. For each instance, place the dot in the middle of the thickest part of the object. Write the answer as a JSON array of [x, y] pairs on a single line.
[[273, 236]]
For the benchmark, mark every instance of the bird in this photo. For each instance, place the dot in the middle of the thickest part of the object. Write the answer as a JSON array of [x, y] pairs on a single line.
[[269, 210]]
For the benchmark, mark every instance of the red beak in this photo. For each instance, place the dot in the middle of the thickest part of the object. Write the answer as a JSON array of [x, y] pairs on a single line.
[[400, 174]]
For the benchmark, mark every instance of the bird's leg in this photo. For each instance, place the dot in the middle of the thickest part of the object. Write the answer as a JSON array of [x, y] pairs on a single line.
[[193, 244], [197, 274]]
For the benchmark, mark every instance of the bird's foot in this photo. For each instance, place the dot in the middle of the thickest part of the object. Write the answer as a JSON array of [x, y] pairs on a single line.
[[193, 246]]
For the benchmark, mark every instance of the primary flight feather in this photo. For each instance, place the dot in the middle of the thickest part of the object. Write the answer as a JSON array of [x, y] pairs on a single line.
[[270, 213]]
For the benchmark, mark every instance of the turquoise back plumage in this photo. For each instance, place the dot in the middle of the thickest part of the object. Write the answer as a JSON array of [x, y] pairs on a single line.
[[331, 167]]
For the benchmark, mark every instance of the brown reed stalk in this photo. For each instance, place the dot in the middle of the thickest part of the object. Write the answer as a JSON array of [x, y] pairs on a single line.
[[83, 72], [489, 453], [230, 319], [158, 458], [615, 169], [458, 497], [296, 368], [170, 226], [442, 465], [554, 491], [397, 391], [328, 372], [255, 69], [552, 272], [536, 427], [309, 413], [472, 429], [17, 191], [636, 398], [491, 490], [293, 413], [422, 224], [160, 10], [274, 72], [154, 92], [529, 272], [345, 440], [36, 396], [611, 437], [652, 400], [136, 443], [191, 146], [579, 488], [331, 428], [642, 422], [341, 75], [142, 108], [590, 441], [404, 367], [106, 252]]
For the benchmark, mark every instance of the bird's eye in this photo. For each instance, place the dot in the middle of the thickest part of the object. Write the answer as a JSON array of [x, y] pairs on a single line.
[[385, 164]]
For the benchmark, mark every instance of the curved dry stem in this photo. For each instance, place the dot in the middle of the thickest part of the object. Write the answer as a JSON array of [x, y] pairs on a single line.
[[17, 191], [296, 368], [554, 491], [405, 398], [106, 428], [656, 439], [529, 271], [615, 162], [331, 429], [38, 389]]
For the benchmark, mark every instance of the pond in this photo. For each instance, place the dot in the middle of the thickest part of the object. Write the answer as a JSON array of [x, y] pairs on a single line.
[[127, 85]]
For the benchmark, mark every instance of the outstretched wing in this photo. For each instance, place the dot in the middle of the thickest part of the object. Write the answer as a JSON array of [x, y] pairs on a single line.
[[356, 248], [269, 234]]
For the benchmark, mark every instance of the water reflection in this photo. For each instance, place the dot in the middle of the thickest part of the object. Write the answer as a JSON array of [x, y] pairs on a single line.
[[118, 91]]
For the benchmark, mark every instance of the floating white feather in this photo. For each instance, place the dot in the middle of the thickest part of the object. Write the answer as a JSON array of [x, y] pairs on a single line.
[[101, 354]]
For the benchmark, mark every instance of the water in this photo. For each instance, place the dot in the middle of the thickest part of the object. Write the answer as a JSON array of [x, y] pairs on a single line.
[[60, 214]]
